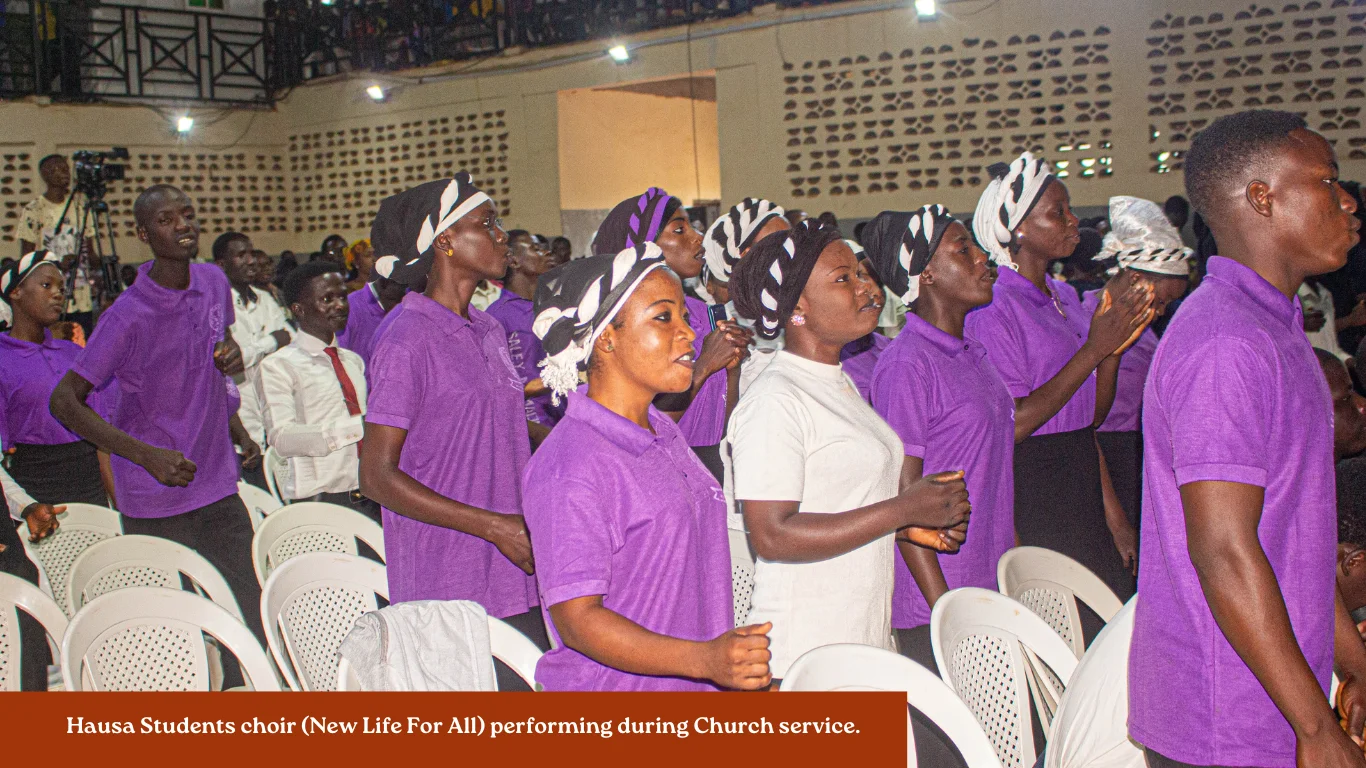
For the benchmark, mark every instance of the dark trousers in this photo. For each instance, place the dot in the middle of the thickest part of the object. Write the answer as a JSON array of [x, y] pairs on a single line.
[[59, 474], [533, 626], [711, 459], [350, 500], [220, 532], [33, 650], [1158, 761]]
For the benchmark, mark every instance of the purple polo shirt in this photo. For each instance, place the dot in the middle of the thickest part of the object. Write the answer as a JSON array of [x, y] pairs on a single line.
[[860, 364], [617, 511], [704, 423], [1235, 394], [950, 408], [362, 322], [1133, 372], [516, 315], [28, 374], [449, 382], [157, 343], [1030, 335]]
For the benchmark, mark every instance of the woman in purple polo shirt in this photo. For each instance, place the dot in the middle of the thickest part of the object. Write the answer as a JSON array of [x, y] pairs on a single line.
[[859, 357], [632, 552], [946, 401], [1061, 376], [50, 461], [1140, 239], [445, 431], [658, 217], [527, 261]]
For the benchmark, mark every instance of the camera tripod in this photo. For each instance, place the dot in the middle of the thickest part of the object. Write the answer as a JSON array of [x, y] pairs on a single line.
[[94, 214]]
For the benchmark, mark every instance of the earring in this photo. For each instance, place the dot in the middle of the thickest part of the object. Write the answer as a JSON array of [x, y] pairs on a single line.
[[610, 347], [798, 320]]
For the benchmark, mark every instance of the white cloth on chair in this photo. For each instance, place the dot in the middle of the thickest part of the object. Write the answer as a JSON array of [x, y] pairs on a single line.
[[426, 645]]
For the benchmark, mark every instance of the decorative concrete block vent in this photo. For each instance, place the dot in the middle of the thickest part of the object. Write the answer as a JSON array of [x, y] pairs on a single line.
[[243, 190], [340, 176], [18, 175]]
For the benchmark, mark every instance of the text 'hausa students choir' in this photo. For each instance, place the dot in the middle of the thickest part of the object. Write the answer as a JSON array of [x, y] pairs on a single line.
[[675, 384]]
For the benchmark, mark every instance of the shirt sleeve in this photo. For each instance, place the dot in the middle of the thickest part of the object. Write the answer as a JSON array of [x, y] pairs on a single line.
[[284, 432], [395, 378], [28, 227], [1215, 399], [109, 347], [255, 344], [16, 498], [906, 407], [768, 448], [990, 329], [571, 535]]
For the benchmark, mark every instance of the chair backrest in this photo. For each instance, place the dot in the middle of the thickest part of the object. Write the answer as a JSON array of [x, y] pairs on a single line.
[[18, 595], [850, 667], [144, 561], [1050, 583], [507, 645], [81, 526], [311, 526], [308, 606], [259, 503], [985, 644], [152, 639], [274, 467], [741, 575]]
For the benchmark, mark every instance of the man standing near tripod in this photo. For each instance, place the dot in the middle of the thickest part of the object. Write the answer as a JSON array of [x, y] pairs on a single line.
[[41, 225]]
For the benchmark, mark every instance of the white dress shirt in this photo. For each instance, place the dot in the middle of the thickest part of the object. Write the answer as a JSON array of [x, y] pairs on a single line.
[[1325, 338], [252, 329], [306, 419], [16, 498]]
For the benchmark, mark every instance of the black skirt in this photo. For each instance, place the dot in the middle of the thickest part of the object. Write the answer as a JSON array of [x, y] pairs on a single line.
[[68, 473], [1124, 457], [1059, 504]]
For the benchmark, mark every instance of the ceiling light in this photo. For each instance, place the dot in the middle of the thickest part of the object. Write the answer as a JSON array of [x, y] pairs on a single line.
[[375, 92], [619, 54], [926, 9], [184, 123]]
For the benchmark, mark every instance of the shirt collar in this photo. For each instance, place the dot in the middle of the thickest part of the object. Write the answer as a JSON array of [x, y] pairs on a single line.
[[1014, 282], [157, 294], [311, 344], [446, 320], [27, 348], [1255, 287], [247, 296], [621, 431], [819, 370], [944, 342]]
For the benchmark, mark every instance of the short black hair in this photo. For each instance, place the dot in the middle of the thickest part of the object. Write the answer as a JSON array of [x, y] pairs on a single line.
[[1351, 483], [296, 282], [513, 234], [142, 207], [46, 158], [1327, 358], [1222, 153], [220, 245], [561, 239], [1176, 205]]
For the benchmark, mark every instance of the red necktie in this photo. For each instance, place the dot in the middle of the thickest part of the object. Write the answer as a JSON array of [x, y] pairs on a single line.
[[348, 389]]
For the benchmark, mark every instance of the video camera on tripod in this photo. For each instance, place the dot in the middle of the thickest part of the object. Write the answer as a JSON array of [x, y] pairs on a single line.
[[93, 173]]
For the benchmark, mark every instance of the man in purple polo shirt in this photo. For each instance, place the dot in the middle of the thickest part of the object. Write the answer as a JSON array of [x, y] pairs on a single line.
[[1238, 625], [167, 343], [370, 304]]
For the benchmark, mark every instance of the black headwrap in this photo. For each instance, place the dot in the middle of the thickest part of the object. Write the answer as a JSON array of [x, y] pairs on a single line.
[[768, 281], [412, 219], [574, 303], [901, 243], [635, 221], [22, 269]]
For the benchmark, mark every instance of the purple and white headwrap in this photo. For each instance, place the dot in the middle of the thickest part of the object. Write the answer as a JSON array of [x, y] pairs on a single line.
[[635, 221], [422, 213]]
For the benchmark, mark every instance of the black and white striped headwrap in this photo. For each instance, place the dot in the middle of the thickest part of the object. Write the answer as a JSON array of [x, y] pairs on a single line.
[[767, 283], [635, 221], [420, 214], [12, 277], [900, 245], [733, 233], [1007, 200], [575, 302], [1142, 238]]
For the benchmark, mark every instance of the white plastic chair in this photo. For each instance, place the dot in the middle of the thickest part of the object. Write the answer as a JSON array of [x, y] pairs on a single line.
[[144, 561], [272, 466], [152, 639], [741, 575], [851, 667], [18, 595], [985, 645], [1050, 583], [506, 644], [311, 526], [81, 526], [308, 606], [259, 503]]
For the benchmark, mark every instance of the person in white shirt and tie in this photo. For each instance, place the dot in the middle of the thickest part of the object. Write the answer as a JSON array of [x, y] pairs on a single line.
[[313, 395], [259, 328]]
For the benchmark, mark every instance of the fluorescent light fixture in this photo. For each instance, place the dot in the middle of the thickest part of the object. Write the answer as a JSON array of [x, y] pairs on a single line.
[[619, 54], [926, 9], [184, 123], [375, 92]]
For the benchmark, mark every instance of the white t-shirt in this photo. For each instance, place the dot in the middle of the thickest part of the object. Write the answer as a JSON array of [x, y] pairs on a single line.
[[801, 432], [1091, 728]]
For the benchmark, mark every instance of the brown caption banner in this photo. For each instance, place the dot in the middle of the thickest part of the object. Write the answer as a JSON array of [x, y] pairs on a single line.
[[465, 728]]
